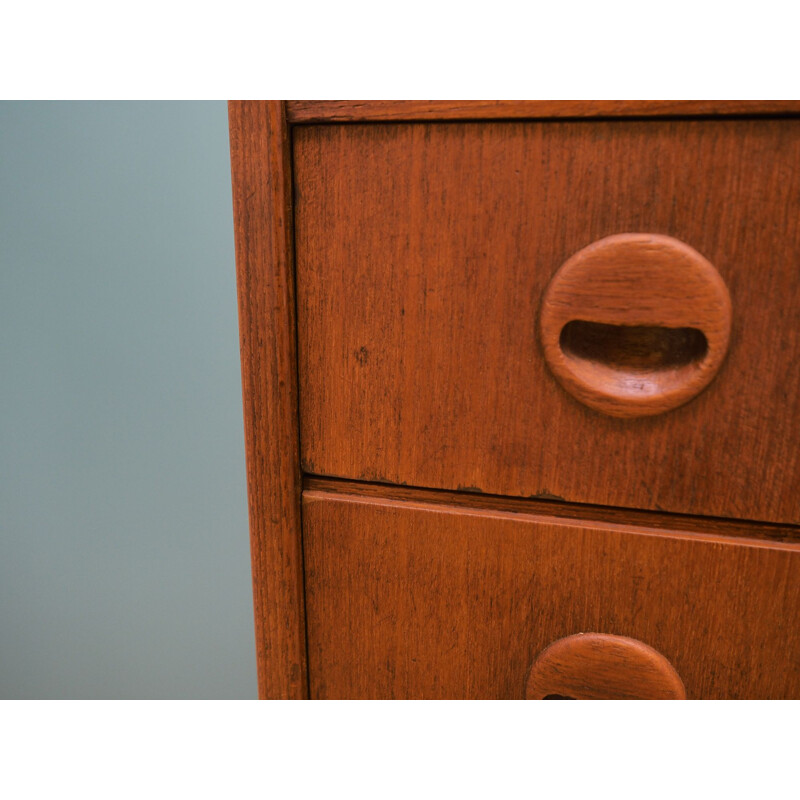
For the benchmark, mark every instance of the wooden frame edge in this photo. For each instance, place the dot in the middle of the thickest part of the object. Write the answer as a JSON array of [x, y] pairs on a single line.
[[715, 528], [318, 111], [262, 204]]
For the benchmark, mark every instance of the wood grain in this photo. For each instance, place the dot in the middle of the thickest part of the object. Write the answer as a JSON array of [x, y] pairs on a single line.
[[423, 251], [628, 295], [431, 601], [260, 168], [597, 666], [721, 529], [305, 111]]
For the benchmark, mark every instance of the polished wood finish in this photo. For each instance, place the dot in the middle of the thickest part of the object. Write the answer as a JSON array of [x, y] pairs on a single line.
[[424, 253], [260, 165], [304, 111], [424, 250], [418, 600], [597, 666], [720, 529], [650, 321]]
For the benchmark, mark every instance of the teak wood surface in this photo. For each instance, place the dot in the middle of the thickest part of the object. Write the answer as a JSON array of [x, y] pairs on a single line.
[[260, 166], [415, 600], [598, 666], [720, 528], [624, 299], [422, 254], [424, 251], [305, 111]]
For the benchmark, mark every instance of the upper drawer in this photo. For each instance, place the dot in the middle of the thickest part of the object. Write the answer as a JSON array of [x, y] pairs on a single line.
[[423, 252]]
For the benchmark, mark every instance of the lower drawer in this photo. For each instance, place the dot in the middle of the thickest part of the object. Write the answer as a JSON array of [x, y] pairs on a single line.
[[411, 599]]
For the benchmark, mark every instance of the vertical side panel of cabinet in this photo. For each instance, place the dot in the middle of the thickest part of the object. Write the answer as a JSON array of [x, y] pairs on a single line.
[[261, 172], [413, 600]]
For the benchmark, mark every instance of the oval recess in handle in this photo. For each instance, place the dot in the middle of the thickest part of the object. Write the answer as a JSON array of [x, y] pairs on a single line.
[[599, 666], [635, 324]]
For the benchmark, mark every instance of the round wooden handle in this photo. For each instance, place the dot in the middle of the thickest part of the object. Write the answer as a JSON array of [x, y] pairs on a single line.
[[635, 324], [598, 666]]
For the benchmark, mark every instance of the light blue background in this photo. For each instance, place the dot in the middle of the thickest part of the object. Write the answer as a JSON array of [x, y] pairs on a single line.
[[124, 564]]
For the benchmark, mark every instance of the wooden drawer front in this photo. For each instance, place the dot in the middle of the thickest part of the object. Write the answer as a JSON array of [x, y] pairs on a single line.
[[422, 254], [415, 600]]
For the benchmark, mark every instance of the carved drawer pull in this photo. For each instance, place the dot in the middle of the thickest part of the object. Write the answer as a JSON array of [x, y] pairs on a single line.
[[598, 666], [635, 324]]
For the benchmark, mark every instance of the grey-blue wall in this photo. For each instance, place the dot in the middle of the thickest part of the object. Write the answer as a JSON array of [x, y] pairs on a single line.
[[124, 566]]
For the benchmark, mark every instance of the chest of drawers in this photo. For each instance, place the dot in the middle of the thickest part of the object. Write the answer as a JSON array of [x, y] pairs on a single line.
[[521, 397]]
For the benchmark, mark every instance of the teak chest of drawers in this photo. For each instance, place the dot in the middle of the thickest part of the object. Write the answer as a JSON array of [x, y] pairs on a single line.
[[522, 397]]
